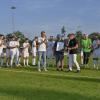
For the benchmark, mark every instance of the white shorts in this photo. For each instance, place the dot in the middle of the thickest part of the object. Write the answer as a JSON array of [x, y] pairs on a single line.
[[12, 53]]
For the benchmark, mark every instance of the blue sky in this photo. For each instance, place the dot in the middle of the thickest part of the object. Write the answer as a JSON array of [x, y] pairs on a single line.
[[33, 16]]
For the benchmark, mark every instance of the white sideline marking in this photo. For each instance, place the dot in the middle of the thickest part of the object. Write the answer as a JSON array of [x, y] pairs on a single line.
[[41, 73]]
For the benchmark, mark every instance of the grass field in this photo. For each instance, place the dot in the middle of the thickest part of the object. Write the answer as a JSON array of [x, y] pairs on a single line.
[[28, 84]]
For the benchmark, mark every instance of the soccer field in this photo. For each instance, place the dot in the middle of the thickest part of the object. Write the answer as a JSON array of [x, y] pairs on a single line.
[[28, 84]]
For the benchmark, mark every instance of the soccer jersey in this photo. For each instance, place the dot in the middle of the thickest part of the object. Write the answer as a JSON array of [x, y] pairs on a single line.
[[12, 45], [25, 47]]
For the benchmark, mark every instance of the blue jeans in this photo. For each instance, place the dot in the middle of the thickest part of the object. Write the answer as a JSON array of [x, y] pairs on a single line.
[[41, 59]]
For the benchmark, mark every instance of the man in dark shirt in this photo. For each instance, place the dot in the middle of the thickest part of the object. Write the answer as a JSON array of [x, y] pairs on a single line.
[[72, 49], [59, 53]]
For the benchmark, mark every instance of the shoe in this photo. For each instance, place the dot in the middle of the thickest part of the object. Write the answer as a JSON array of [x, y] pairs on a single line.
[[69, 70], [62, 70], [78, 71], [39, 70], [57, 69], [45, 70]]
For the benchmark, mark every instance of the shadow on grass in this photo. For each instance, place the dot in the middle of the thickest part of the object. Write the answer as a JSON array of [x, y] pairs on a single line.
[[61, 76], [76, 78], [42, 94]]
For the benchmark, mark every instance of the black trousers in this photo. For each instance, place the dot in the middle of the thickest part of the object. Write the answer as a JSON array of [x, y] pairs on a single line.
[[86, 56]]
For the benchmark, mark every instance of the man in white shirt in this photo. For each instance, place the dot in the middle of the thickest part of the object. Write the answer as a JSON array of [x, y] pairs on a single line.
[[42, 51], [26, 46]]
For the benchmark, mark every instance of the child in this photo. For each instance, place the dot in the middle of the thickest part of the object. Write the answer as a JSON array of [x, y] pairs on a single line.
[[26, 46], [34, 50]]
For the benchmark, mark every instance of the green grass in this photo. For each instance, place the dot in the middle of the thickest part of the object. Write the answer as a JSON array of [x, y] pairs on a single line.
[[28, 84]]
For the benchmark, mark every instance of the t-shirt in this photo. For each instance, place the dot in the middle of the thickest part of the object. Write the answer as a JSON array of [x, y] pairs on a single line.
[[25, 46], [50, 45], [55, 46], [73, 43], [42, 46], [12, 44], [86, 45]]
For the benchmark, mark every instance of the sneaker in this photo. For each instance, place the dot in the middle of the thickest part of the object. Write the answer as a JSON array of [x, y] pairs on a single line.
[[39, 70], [69, 70], [45, 70], [62, 70], [78, 71]]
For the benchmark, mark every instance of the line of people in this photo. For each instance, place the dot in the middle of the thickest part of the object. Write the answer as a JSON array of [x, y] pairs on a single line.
[[50, 51]]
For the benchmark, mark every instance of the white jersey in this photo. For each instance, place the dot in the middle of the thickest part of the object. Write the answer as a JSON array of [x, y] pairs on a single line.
[[17, 43], [25, 50], [25, 47], [42, 47], [12, 45]]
